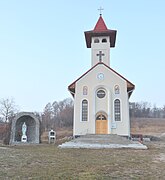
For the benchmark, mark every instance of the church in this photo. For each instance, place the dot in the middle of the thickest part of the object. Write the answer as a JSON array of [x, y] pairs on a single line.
[[101, 95]]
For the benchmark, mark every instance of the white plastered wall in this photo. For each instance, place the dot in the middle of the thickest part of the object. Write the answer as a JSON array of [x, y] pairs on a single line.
[[93, 83], [104, 47]]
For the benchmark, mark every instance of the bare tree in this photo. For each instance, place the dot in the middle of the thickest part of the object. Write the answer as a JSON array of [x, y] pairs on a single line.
[[7, 109], [145, 110], [47, 117], [1, 119], [63, 113], [57, 114]]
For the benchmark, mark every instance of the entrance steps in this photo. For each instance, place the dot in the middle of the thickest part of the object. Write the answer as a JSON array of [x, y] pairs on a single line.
[[94, 141], [103, 139]]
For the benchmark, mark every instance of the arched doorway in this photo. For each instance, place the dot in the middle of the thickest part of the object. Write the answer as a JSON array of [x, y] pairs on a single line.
[[101, 123]]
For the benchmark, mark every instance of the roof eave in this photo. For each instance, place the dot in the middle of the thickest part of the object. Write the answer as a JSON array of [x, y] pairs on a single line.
[[110, 33], [130, 86], [71, 89], [130, 90]]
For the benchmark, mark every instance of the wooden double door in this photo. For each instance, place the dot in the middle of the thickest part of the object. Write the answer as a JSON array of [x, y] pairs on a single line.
[[101, 124]]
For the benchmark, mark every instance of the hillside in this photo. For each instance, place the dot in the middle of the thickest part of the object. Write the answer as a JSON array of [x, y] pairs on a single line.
[[148, 126]]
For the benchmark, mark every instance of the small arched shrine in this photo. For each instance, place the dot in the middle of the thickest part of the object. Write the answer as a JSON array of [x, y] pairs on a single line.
[[33, 128]]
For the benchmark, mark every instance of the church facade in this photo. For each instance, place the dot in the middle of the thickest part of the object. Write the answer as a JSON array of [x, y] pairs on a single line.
[[101, 95]]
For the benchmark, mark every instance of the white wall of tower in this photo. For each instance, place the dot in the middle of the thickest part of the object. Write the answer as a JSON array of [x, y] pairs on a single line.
[[99, 44]]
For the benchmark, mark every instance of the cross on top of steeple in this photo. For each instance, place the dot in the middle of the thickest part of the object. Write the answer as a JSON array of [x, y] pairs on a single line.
[[100, 9]]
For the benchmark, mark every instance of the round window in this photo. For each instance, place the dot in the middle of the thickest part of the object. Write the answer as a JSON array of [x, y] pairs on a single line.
[[100, 93]]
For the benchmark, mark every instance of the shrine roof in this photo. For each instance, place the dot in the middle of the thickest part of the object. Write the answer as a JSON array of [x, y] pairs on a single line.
[[130, 86]]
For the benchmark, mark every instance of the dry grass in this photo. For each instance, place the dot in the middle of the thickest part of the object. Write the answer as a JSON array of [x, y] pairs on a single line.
[[60, 134], [50, 162], [46, 161], [148, 126]]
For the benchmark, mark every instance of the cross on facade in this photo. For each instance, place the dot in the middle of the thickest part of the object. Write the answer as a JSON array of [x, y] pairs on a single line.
[[100, 54], [100, 9]]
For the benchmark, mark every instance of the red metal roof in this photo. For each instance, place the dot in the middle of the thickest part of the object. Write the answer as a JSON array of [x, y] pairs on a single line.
[[130, 86], [100, 25], [100, 29]]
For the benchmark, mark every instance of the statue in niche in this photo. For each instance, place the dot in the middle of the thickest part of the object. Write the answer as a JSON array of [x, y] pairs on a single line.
[[24, 128]]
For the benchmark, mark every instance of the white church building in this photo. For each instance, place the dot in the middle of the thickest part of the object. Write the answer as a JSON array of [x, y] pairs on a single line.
[[101, 95]]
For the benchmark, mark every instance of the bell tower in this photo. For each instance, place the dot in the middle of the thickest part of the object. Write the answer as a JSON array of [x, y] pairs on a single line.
[[100, 40]]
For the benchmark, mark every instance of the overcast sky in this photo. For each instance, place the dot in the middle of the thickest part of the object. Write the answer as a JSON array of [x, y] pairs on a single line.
[[43, 50]]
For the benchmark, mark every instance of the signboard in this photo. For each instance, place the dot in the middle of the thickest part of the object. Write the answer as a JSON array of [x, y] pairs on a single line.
[[113, 125]]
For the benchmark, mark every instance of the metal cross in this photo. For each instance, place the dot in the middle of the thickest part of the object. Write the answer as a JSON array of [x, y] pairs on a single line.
[[100, 56], [100, 9]]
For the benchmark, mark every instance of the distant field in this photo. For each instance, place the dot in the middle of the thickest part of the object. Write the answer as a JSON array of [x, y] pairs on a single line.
[[148, 126]]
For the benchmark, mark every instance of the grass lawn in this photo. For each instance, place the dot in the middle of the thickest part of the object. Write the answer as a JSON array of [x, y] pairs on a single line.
[[49, 162]]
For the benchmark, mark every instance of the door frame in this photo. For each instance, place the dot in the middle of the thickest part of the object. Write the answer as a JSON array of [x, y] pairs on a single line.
[[106, 119]]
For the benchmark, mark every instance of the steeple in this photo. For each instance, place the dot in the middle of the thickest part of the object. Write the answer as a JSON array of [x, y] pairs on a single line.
[[100, 40], [100, 25], [100, 29]]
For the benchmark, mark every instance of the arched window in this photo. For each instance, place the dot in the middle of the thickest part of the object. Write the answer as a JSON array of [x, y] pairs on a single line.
[[117, 89], [84, 110], [117, 110], [101, 117], [104, 40], [85, 90], [96, 40]]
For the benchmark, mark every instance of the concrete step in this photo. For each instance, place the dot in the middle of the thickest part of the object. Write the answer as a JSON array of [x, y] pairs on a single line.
[[103, 139], [94, 141]]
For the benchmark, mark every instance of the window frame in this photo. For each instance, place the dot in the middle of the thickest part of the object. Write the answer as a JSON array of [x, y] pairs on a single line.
[[104, 40], [96, 40], [117, 89], [103, 117], [117, 110], [85, 90], [84, 110], [101, 89]]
